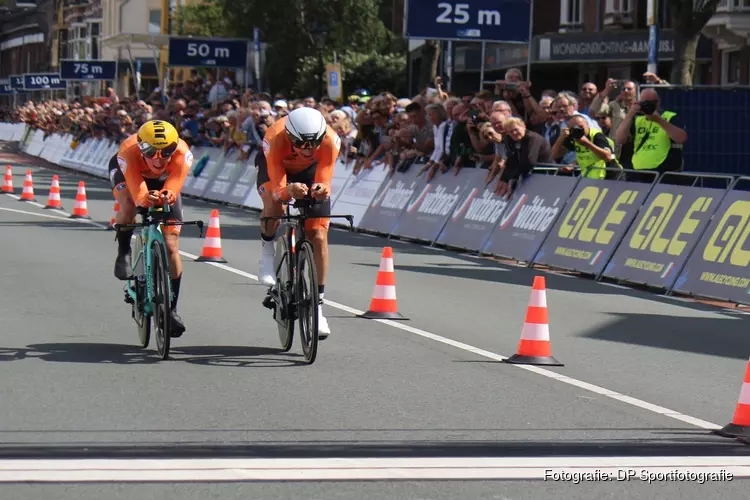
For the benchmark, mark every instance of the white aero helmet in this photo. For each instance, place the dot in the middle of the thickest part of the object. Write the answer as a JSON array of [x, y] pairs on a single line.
[[306, 128]]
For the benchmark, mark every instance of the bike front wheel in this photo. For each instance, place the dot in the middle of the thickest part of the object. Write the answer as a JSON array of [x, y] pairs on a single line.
[[162, 315], [308, 300], [143, 321], [284, 318]]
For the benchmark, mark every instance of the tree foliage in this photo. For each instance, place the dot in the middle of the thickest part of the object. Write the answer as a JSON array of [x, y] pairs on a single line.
[[287, 26], [201, 19], [689, 17], [373, 71]]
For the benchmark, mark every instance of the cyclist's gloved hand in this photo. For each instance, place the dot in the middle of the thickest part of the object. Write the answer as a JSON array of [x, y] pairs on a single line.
[[170, 196], [151, 199], [297, 190], [320, 191]]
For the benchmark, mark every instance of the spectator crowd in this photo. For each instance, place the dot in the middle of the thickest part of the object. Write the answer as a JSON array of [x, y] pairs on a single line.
[[506, 131]]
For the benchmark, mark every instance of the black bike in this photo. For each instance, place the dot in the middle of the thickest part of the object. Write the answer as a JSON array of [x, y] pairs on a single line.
[[295, 294]]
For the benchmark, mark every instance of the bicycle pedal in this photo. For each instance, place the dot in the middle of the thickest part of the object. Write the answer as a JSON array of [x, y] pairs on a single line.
[[269, 303]]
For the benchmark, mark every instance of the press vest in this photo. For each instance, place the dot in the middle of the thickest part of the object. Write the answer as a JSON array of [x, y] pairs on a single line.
[[591, 165], [651, 142]]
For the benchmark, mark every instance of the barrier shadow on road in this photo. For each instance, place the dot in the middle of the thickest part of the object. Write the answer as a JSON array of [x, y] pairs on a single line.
[[485, 270], [703, 446], [125, 354], [724, 337]]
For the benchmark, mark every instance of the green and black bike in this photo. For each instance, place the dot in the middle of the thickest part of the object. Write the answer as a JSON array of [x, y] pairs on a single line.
[[295, 294], [149, 290]]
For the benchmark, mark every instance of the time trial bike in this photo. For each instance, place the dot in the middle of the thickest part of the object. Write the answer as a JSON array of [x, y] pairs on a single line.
[[149, 290], [295, 294]]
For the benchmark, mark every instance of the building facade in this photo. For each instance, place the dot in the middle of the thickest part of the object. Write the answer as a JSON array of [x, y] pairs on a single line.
[[730, 31], [575, 41]]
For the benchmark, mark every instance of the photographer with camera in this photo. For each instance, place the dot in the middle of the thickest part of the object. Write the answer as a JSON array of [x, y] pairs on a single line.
[[594, 150], [656, 136]]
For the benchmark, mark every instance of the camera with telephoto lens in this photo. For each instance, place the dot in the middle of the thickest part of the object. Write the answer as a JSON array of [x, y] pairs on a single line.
[[647, 107], [577, 132]]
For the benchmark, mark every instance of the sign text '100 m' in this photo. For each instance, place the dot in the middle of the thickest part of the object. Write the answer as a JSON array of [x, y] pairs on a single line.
[[459, 14], [44, 80]]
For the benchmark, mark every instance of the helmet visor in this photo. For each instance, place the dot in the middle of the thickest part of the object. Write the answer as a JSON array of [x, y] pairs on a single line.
[[150, 151]]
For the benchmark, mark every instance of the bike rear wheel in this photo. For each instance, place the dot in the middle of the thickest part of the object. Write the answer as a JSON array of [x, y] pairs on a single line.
[[162, 314], [143, 321], [308, 300], [283, 286]]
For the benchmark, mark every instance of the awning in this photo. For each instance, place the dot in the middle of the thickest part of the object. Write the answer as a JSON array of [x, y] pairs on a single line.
[[129, 40]]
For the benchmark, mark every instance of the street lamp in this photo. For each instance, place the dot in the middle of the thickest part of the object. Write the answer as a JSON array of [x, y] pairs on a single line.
[[318, 33]]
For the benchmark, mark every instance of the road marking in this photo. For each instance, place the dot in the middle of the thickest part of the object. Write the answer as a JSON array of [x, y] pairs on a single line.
[[711, 469], [697, 422]]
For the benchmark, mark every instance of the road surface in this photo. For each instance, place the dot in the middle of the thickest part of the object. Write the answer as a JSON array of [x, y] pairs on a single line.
[[421, 409]]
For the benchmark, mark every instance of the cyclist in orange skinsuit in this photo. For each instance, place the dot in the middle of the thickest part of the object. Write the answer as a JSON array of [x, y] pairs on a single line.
[[151, 167], [298, 157]]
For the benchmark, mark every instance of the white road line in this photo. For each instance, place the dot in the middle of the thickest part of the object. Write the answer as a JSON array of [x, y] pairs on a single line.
[[697, 422], [710, 469]]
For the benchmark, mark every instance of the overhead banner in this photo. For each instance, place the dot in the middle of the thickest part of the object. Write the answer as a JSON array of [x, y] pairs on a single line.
[[391, 200], [596, 218], [667, 227], [476, 214], [534, 208], [719, 266], [430, 207]]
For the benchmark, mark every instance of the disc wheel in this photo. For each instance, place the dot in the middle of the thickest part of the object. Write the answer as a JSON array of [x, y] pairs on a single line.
[[283, 284], [308, 300], [162, 318], [142, 321]]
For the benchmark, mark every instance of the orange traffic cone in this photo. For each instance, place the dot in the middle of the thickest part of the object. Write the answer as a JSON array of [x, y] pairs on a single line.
[[8, 180], [54, 200], [740, 425], [383, 304], [80, 208], [212, 244], [112, 221], [28, 188], [535, 347]]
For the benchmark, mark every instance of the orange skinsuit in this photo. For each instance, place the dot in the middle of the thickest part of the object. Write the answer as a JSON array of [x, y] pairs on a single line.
[[281, 160], [135, 170]]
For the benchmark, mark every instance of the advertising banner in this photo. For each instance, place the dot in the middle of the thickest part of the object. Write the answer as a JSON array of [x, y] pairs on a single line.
[[230, 169], [245, 183], [534, 208], [720, 265], [661, 237], [358, 192], [199, 184], [429, 208], [341, 173], [390, 201], [595, 219], [475, 215]]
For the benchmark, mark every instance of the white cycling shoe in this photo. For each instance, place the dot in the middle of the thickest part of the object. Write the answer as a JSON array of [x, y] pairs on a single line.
[[266, 270], [323, 329]]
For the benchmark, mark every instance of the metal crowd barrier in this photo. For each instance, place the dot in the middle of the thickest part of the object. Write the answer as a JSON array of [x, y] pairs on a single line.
[[686, 233]]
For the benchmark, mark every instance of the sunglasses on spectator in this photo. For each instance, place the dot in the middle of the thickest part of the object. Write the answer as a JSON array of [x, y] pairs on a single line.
[[150, 151]]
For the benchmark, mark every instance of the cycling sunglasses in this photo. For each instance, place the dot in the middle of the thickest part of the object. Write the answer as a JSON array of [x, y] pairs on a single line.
[[150, 151], [305, 144]]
